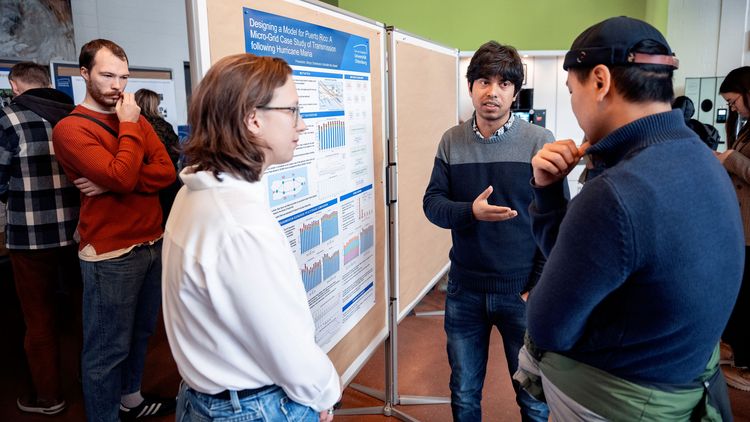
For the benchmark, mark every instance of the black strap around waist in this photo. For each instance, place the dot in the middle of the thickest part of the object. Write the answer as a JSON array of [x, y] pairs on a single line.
[[224, 395]]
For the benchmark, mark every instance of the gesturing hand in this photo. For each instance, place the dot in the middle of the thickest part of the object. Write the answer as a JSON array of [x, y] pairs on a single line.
[[722, 156], [554, 161], [325, 416], [127, 109], [484, 211]]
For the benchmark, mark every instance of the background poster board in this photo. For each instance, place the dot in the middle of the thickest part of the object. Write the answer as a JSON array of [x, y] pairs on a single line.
[[219, 29], [5, 92], [424, 104], [66, 76]]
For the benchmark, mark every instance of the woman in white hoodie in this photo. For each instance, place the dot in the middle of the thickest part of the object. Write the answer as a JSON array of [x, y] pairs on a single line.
[[235, 308]]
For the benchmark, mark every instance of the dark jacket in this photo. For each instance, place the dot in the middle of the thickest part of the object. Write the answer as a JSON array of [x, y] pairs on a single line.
[[635, 283]]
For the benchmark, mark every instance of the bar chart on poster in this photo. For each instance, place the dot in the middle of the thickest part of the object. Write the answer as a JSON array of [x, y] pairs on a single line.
[[323, 197]]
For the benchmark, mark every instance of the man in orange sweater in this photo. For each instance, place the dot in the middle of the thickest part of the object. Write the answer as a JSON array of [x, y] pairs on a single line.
[[119, 164]]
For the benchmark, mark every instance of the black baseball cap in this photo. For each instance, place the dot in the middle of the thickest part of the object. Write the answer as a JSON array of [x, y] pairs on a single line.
[[610, 42]]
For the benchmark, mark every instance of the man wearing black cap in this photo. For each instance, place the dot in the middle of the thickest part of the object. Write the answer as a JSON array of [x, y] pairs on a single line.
[[636, 290]]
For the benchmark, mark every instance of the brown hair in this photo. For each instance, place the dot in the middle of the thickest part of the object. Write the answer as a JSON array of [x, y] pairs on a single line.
[[737, 81], [148, 101], [89, 50], [30, 73], [230, 92]]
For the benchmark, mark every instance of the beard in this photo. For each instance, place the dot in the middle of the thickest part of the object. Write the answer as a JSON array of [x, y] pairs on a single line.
[[105, 100]]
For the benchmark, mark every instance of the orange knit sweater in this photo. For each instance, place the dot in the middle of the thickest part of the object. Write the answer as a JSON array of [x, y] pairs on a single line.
[[133, 167]]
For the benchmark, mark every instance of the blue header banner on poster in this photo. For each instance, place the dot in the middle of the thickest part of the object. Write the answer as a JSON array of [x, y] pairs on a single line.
[[317, 74], [318, 114], [307, 212], [355, 193], [304, 44], [64, 84]]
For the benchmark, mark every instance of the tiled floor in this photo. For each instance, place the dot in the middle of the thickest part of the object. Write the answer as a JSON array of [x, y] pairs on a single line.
[[422, 370]]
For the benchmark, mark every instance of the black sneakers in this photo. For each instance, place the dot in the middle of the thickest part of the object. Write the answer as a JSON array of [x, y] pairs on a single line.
[[151, 406]]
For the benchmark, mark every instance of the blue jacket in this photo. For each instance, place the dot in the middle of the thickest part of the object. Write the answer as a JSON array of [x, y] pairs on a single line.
[[645, 263]]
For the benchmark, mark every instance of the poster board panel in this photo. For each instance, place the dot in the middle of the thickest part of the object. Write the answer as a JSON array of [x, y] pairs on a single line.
[[226, 35], [425, 106]]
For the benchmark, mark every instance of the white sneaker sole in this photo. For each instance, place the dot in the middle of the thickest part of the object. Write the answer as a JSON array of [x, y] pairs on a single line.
[[741, 387], [53, 410]]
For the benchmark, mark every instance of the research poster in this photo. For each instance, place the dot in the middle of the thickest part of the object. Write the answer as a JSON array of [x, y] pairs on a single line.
[[324, 198], [75, 86]]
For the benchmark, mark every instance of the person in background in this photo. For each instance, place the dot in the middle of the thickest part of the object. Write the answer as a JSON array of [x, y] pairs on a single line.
[[120, 165], [231, 282], [149, 101], [494, 259], [42, 214], [708, 134], [736, 159], [635, 293]]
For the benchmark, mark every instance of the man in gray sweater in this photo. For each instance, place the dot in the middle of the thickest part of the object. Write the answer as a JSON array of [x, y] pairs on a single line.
[[494, 259]]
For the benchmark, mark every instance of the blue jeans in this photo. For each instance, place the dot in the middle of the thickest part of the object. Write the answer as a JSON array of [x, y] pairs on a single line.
[[121, 299], [469, 318], [269, 405]]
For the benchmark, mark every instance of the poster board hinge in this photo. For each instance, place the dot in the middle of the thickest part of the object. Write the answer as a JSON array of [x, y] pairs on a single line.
[[391, 179]]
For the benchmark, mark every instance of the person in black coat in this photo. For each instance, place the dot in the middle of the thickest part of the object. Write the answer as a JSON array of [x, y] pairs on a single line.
[[708, 134], [149, 101]]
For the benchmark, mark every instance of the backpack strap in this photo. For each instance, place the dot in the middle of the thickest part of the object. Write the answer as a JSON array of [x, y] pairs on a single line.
[[97, 121]]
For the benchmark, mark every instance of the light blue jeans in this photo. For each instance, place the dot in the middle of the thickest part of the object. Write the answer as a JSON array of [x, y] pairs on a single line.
[[469, 318], [121, 299], [269, 405]]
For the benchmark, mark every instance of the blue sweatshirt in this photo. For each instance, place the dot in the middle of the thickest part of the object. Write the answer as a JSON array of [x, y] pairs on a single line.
[[645, 263], [498, 257]]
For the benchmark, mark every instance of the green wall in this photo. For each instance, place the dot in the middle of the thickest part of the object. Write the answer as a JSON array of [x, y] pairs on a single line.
[[527, 25]]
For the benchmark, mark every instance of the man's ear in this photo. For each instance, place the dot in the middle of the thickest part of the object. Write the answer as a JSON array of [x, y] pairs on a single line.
[[469, 85], [252, 123], [602, 79], [85, 74], [14, 87]]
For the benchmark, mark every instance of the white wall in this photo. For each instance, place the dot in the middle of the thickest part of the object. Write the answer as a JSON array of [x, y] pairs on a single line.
[[152, 32], [465, 107], [709, 37]]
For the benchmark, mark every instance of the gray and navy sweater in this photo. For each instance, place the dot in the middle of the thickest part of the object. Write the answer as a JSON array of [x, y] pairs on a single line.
[[497, 257]]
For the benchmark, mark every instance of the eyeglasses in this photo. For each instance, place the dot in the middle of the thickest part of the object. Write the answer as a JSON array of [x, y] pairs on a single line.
[[730, 104], [294, 110]]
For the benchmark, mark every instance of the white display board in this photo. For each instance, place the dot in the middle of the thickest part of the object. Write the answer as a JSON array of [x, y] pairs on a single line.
[[66, 77], [324, 198]]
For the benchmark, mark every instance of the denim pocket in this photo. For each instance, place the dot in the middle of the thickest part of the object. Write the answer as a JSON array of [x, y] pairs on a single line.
[[294, 411]]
